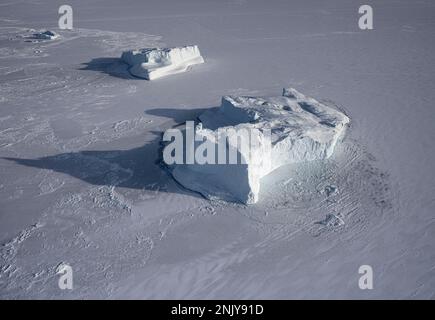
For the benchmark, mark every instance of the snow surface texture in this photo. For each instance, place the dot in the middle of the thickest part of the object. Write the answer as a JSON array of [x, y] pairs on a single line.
[[302, 129], [153, 63]]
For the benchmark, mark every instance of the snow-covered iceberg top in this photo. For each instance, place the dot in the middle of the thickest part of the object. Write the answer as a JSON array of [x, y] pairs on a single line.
[[282, 130], [153, 63]]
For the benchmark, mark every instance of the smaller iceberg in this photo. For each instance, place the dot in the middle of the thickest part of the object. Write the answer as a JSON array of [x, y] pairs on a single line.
[[153, 63], [45, 35]]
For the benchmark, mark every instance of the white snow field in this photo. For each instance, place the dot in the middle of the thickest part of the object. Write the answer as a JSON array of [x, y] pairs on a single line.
[[153, 63], [266, 133], [80, 177]]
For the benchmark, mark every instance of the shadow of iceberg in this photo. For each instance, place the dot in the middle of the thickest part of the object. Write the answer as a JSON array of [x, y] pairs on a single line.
[[137, 168], [114, 67]]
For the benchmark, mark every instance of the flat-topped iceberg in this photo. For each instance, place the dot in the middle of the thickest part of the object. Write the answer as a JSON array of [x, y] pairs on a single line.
[[282, 130], [153, 63]]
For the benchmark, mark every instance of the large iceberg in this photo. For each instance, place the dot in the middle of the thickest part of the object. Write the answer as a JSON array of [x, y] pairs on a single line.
[[283, 130], [153, 63]]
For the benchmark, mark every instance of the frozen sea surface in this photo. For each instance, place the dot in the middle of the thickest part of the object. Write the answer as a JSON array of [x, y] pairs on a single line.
[[81, 184]]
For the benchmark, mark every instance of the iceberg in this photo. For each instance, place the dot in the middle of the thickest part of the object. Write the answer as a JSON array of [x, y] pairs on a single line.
[[286, 129], [46, 35], [153, 63]]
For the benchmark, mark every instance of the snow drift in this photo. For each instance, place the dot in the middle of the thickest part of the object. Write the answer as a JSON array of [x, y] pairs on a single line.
[[286, 129], [153, 63]]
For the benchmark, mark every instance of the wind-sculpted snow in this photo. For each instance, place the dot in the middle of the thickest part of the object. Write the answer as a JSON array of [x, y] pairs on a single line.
[[153, 63], [281, 130]]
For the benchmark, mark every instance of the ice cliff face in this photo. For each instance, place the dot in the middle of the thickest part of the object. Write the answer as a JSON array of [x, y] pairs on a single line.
[[153, 63], [283, 130]]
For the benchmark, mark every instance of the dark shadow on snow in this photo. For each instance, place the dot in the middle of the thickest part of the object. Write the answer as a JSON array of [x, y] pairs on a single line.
[[137, 168], [114, 67]]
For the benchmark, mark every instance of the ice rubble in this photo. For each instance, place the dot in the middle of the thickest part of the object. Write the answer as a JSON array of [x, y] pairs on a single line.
[[301, 129], [46, 35], [153, 63]]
